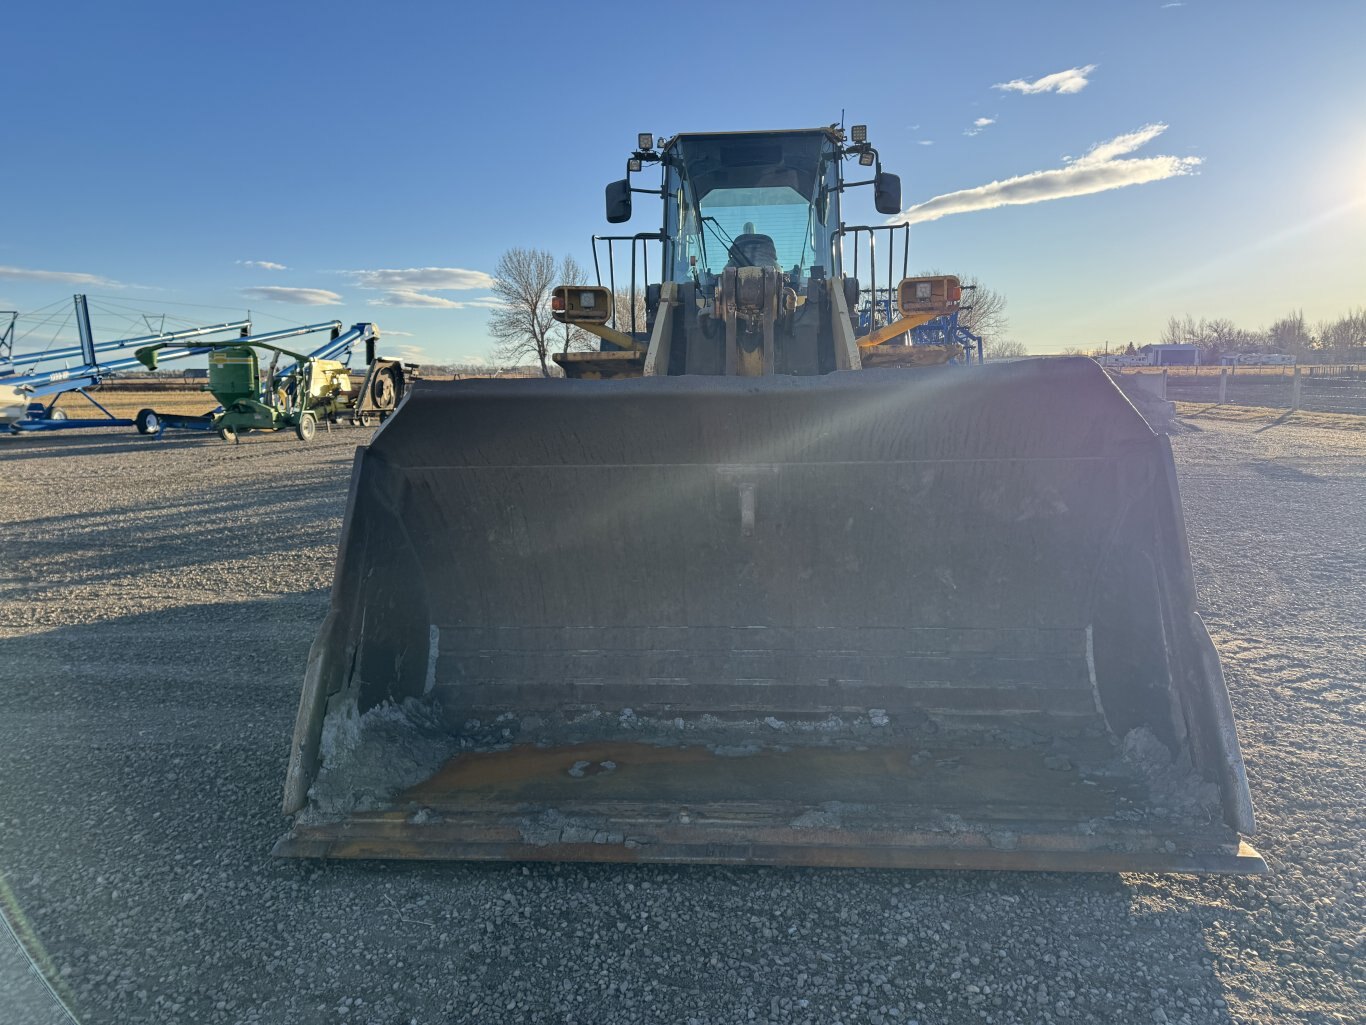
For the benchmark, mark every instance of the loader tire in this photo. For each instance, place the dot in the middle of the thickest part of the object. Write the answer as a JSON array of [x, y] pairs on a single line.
[[147, 421]]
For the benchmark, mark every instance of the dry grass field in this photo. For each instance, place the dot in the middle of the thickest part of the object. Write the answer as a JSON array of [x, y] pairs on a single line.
[[126, 403]]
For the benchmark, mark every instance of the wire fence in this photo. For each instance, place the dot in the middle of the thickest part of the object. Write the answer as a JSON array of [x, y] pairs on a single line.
[[1245, 370], [1319, 388]]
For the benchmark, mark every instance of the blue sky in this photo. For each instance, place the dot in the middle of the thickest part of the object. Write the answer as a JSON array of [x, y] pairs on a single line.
[[167, 153]]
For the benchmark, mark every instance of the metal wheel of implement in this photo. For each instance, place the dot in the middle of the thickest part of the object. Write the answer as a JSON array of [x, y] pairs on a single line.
[[57, 414], [147, 421], [384, 389], [306, 427], [365, 420]]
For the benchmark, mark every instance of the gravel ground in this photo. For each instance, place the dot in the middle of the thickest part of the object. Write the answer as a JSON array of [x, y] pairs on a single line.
[[158, 602]]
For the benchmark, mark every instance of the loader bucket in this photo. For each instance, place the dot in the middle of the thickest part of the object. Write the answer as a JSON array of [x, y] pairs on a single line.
[[929, 618]]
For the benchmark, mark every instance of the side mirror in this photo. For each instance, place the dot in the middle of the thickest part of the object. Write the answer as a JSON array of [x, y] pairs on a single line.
[[886, 193], [619, 201]]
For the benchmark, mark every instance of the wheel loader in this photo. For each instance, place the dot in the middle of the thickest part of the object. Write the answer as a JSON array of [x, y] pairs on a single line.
[[750, 586]]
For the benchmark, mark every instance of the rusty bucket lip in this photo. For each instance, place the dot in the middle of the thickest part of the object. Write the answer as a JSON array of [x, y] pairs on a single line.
[[519, 804], [376, 839]]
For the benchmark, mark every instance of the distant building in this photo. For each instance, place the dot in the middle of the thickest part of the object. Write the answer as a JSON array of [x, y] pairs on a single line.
[[1177, 354], [1138, 359]]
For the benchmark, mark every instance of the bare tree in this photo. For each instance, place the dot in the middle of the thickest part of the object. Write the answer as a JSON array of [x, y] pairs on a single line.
[[572, 337], [1222, 334], [623, 309], [983, 310], [525, 329], [1006, 348], [1184, 331], [1289, 334], [522, 324], [1345, 333]]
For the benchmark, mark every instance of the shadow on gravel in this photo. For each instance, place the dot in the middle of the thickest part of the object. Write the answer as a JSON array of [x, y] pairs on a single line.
[[141, 763], [193, 530], [119, 441], [1281, 471], [99, 442], [1280, 421]]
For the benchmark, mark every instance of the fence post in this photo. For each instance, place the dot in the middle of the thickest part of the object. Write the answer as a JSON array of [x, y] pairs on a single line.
[[1223, 384], [1164, 386], [1295, 390]]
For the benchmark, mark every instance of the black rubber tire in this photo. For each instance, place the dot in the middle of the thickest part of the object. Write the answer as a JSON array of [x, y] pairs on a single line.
[[306, 427], [147, 421], [365, 420], [227, 434]]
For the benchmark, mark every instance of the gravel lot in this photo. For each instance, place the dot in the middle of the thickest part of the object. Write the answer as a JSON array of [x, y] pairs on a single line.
[[159, 599]]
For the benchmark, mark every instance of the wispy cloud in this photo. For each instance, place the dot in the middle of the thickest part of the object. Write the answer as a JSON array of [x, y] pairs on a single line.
[[429, 279], [1100, 169], [297, 296], [413, 286], [391, 333], [1178, 4], [1073, 80], [262, 264], [978, 125], [926, 142], [413, 298], [60, 276], [1104, 152]]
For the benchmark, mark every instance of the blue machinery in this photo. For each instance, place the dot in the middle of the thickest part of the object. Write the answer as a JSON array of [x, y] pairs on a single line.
[[7, 335], [943, 331], [24, 385]]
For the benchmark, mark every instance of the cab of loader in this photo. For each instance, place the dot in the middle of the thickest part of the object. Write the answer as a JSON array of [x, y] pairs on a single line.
[[752, 249], [769, 199]]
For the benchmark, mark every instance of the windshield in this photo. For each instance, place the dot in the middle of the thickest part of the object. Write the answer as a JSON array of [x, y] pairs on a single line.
[[780, 214], [760, 200]]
